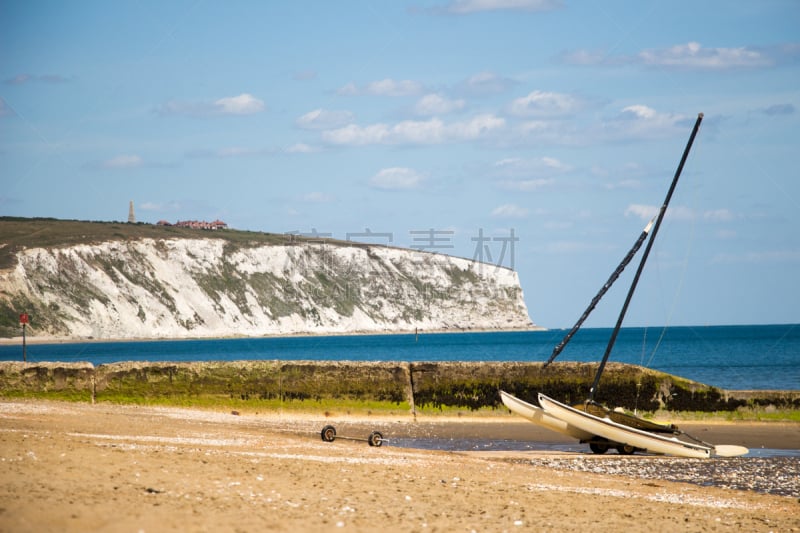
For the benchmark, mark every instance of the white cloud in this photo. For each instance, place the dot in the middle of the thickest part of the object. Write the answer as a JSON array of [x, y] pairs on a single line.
[[322, 119], [646, 212], [545, 104], [693, 56], [634, 122], [527, 175], [435, 104], [642, 122], [390, 87], [484, 83], [517, 166], [235, 151], [304, 75], [385, 87], [509, 211], [396, 178], [419, 131], [349, 89], [476, 127], [584, 57], [508, 162], [623, 184], [124, 161], [779, 109], [640, 111], [243, 151], [228, 152], [244, 104], [433, 131], [317, 197], [299, 148], [767, 256], [528, 185], [462, 7], [719, 215], [20, 79], [354, 134], [549, 131]]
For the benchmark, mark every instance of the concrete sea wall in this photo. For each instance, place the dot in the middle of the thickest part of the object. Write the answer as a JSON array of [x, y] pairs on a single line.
[[416, 387]]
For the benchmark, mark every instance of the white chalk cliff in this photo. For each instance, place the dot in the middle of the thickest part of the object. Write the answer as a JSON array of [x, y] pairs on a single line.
[[181, 288]]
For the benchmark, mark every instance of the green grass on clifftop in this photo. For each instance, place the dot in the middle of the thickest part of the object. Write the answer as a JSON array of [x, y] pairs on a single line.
[[18, 233]]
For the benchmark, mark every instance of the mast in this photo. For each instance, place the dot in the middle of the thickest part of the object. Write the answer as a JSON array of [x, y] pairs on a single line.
[[647, 248], [614, 275]]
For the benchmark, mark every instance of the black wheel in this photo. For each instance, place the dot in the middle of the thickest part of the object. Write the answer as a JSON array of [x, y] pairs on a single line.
[[599, 446], [328, 433], [625, 449], [375, 438]]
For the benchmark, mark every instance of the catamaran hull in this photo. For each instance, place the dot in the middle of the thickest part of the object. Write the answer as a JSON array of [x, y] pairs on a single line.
[[608, 429], [540, 418]]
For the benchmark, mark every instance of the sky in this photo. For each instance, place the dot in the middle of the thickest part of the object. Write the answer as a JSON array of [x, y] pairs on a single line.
[[538, 135]]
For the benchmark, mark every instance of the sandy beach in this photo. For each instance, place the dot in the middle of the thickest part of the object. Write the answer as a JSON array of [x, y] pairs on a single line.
[[104, 467]]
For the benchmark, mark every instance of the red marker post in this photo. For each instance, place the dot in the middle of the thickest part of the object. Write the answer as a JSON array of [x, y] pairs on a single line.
[[23, 320]]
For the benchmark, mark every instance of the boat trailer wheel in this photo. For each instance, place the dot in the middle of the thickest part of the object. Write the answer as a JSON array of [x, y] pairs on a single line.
[[328, 434], [599, 446], [625, 449], [375, 438]]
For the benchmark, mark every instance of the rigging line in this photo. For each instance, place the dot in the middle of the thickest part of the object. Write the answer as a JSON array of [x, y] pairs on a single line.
[[639, 380], [775, 344], [679, 288], [662, 211], [614, 276], [644, 347]]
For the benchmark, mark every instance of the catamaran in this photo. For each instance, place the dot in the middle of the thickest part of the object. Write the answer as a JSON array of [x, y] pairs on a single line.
[[595, 424]]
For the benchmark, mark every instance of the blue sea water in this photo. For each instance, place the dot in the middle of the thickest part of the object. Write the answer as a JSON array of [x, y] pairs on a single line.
[[730, 357]]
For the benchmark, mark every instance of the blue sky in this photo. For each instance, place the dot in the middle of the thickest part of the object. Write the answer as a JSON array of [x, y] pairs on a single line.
[[539, 134]]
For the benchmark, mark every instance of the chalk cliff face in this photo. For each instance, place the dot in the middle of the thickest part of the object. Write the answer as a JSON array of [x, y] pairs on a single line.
[[178, 288]]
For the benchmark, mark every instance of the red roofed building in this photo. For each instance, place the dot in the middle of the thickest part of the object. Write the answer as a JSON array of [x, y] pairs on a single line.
[[202, 224]]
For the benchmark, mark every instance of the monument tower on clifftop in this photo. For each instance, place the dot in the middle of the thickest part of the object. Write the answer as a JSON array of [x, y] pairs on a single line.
[[131, 216]]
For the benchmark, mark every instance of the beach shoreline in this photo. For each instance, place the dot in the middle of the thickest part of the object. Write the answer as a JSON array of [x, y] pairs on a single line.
[[80, 466], [12, 341]]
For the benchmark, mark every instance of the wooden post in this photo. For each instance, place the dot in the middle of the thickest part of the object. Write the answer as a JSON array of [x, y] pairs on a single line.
[[23, 320]]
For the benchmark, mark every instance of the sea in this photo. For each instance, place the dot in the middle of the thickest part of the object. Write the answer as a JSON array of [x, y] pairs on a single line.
[[755, 357]]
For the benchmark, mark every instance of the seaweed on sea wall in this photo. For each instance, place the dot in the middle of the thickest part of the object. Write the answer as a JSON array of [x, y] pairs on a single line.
[[469, 395], [460, 385], [708, 399], [72, 381]]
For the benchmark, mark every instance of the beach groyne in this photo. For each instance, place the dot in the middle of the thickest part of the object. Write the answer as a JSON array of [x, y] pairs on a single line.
[[399, 386]]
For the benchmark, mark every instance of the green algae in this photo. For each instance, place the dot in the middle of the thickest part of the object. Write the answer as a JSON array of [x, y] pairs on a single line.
[[454, 388]]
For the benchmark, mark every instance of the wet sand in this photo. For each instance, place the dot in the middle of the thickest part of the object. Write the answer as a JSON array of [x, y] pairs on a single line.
[[82, 467]]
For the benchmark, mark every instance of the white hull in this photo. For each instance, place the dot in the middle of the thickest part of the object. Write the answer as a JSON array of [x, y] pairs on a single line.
[[608, 429], [540, 418], [604, 432]]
